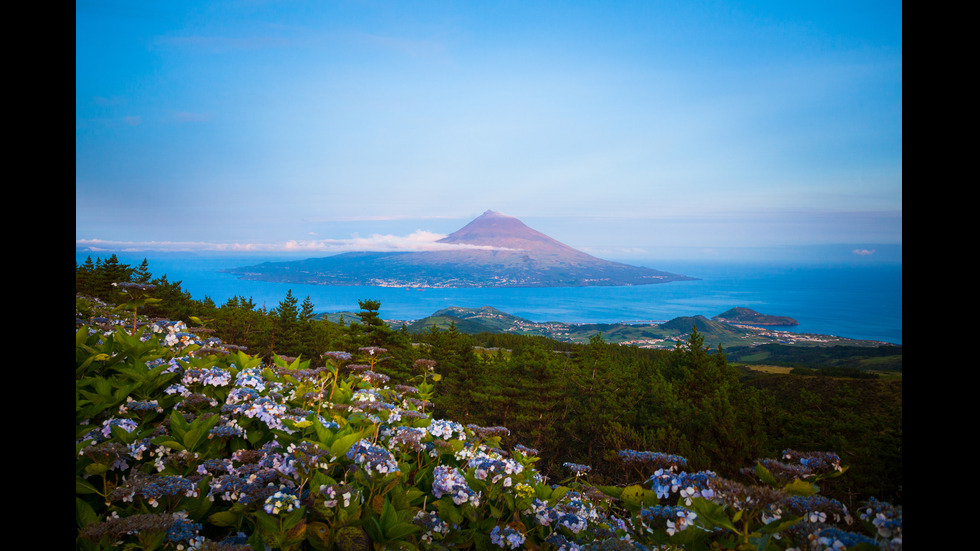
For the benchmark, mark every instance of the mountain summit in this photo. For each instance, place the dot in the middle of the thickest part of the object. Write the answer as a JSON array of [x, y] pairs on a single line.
[[493, 250], [494, 229]]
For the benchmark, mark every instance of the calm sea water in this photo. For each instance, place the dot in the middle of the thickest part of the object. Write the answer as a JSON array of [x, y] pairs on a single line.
[[847, 300]]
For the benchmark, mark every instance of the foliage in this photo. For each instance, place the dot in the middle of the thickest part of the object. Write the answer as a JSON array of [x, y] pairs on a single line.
[[879, 358], [183, 442]]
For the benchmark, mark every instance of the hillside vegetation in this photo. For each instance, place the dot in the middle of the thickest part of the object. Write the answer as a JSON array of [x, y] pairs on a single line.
[[199, 426]]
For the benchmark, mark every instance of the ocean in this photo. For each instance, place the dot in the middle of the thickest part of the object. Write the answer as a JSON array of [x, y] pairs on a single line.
[[845, 299]]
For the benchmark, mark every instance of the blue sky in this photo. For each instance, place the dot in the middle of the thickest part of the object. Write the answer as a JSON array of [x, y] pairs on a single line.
[[626, 129]]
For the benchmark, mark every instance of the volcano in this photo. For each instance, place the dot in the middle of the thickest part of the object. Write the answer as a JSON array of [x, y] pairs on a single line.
[[493, 250]]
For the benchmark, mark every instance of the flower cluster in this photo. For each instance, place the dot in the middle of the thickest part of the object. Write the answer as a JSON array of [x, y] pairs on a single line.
[[432, 526], [337, 356], [488, 432], [654, 459], [506, 537], [228, 429], [885, 517], [675, 519], [338, 495], [372, 458], [283, 501], [139, 406], [212, 376], [688, 485], [250, 378], [153, 488], [493, 467], [447, 480], [445, 429], [578, 469], [263, 408]]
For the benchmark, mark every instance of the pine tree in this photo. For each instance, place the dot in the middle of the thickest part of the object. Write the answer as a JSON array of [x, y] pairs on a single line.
[[285, 320], [85, 278], [142, 272], [375, 329], [306, 310]]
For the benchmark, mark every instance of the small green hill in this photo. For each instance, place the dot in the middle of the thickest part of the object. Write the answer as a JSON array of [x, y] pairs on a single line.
[[706, 326], [749, 316]]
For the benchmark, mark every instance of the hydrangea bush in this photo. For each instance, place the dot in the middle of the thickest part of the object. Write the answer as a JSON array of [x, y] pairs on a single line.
[[186, 443]]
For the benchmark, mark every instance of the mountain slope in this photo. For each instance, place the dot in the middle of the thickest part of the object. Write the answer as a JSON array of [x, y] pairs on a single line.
[[493, 250]]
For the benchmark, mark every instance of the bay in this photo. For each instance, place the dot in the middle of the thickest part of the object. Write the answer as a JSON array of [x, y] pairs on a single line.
[[857, 301]]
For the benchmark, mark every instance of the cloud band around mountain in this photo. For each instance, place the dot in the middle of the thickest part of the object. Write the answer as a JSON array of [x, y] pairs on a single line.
[[417, 241]]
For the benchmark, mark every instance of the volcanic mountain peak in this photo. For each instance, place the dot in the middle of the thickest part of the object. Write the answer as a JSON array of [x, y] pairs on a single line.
[[498, 230], [495, 250]]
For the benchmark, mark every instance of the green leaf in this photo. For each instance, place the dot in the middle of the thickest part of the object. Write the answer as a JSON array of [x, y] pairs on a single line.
[[293, 517], [449, 512], [192, 437], [168, 442], [611, 491], [779, 525], [711, 515], [267, 523], [84, 513], [636, 495], [83, 486], [765, 476], [96, 469], [344, 443], [557, 494], [323, 434], [178, 425], [400, 530], [224, 518], [800, 488]]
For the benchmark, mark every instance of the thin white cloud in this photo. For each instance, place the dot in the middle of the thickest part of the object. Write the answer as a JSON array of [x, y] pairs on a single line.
[[863, 252], [420, 240]]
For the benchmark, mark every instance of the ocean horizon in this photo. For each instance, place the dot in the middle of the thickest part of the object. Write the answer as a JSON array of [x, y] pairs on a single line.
[[850, 300]]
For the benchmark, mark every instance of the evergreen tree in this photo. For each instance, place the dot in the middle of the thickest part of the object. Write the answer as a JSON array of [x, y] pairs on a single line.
[[108, 272], [595, 398], [376, 331], [285, 321], [306, 310], [142, 272], [85, 278]]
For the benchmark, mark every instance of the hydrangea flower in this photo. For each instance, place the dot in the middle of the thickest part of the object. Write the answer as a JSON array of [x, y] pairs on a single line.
[[126, 424], [508, 538], [226, 430], [448, 481], [337, 494], [372, 458], [663, 460], [250, 378], [496, 468], [676, 518], [432, 526], [444, 429], [212, 376], [281, 501]]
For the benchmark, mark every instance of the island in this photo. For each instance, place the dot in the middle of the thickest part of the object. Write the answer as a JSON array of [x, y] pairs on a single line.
[[746, 316], [493, 250]]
